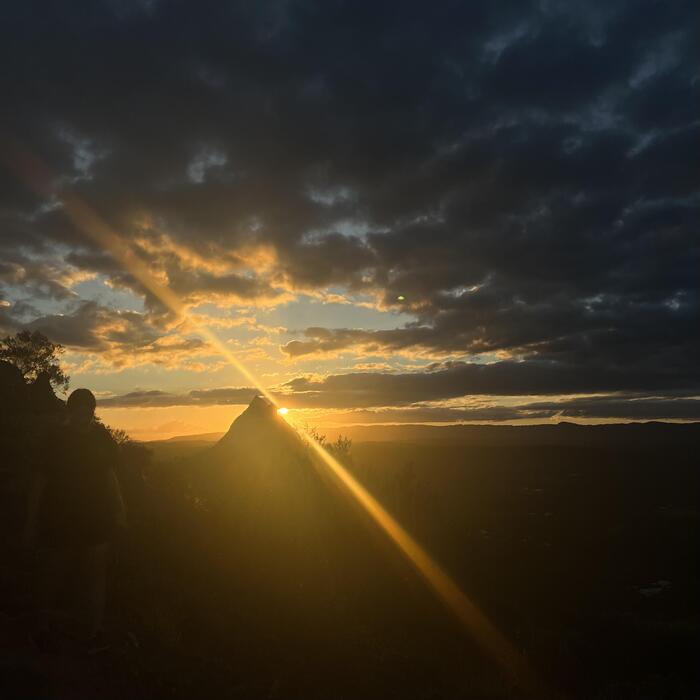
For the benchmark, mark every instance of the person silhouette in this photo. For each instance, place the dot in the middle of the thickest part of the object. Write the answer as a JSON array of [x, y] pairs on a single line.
[[75, 509]]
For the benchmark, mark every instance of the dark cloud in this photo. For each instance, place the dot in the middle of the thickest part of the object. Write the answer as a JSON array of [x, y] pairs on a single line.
[[604, 407], [620, 407], [598, 335], [457, 379], [92, 327], [112, 338], [159, 399], [630, 408], [523, 174]]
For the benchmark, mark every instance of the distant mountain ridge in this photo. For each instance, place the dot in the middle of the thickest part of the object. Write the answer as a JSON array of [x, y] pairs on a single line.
[[563, 434], [195, 437]]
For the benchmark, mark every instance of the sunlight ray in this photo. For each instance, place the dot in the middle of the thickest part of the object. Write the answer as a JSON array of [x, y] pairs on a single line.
[[483, 630]]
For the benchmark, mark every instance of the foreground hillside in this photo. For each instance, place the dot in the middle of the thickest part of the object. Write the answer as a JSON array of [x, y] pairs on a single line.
[[583, 555], [587, 556], [246, 573]]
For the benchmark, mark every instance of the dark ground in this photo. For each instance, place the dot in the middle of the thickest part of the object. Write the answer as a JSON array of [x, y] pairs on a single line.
[[585, 557]]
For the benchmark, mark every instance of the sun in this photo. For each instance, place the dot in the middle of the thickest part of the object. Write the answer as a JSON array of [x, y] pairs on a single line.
[[283, 411]]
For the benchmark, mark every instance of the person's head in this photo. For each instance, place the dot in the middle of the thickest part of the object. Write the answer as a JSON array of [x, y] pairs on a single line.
[[81, 406]]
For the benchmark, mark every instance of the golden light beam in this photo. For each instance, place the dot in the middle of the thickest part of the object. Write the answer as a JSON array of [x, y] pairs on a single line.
[[87, 221], [37, 176], [483, 630]]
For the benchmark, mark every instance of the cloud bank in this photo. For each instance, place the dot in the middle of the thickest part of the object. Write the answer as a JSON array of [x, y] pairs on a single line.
[[520, 179]]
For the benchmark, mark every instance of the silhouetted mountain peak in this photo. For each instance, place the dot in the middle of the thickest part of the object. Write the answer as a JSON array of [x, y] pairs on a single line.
[[259, 426], [260, 406]]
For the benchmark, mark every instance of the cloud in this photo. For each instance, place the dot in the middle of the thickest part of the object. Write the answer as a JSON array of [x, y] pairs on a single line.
[[458, 379], [160, 399], [630, 408], [40, 277], [93, 327], [524, 178], [601, 407], [103, 338], [620, 407]]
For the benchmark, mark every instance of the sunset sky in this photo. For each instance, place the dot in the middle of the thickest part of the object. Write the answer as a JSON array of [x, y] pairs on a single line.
[[482, 214]]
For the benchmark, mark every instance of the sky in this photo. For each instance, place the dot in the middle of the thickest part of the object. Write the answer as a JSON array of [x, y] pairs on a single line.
[[389, 212]]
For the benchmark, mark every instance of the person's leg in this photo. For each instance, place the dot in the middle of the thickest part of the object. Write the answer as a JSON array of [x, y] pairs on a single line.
[[91, 589]]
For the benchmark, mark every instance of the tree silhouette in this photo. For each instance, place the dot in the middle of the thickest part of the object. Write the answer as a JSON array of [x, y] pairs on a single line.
[[340, 448], [34, 354]]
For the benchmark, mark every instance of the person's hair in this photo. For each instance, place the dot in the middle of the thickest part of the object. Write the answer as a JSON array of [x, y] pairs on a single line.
[[81, 398]]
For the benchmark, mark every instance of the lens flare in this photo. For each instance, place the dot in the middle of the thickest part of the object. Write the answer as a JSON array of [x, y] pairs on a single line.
[[39, 178]]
